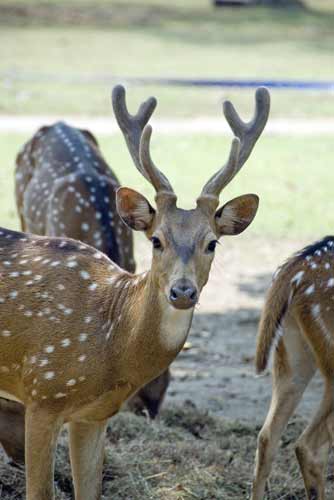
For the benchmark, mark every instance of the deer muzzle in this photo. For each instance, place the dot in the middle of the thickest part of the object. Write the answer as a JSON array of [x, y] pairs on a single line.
[[183, 294]]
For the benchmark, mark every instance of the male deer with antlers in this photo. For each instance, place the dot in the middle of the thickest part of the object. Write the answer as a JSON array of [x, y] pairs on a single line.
[[297, 321], [80, 335]]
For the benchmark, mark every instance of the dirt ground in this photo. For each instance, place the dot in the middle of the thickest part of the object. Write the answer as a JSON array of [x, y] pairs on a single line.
[[203, 444]]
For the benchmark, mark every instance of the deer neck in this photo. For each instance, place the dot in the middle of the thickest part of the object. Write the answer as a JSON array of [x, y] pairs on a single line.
[[154, 331], [169, 326]]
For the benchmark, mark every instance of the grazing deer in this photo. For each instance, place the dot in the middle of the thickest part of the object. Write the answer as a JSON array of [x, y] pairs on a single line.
[[80, 335], [64, 187], [297, 324]]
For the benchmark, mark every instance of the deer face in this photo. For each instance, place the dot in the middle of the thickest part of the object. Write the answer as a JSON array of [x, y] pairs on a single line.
[[183, 241]]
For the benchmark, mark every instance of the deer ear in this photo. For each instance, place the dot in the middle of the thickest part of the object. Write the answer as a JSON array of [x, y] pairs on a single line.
[[236, 215], [134, 209]]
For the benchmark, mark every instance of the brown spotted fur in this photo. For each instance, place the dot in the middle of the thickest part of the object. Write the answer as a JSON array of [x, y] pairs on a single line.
[[297, 324], [58, 173]]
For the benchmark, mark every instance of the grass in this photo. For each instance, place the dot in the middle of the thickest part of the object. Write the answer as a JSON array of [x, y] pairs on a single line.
[[61, 57], [293, 177], [188, 454]]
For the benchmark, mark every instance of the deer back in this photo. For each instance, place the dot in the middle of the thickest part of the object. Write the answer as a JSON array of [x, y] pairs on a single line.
[[64, 187], [302, 288]]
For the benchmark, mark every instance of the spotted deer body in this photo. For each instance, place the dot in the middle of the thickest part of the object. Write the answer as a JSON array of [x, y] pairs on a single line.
[[297, 324], [99, 319], [80, 335], [64, 187]]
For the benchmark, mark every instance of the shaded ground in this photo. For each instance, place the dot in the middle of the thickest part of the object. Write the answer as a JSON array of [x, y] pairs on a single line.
[[187, 454], [203, 445]]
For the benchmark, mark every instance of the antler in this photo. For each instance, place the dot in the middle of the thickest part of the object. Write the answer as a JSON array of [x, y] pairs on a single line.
[[137, 135], [157, 178], [247, 134]]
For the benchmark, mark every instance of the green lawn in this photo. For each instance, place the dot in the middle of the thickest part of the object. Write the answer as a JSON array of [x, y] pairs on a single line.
[[60, 57], [293, 176]]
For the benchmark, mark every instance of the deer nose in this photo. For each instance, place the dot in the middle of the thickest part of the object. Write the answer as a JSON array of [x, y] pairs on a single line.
[[183, 294]]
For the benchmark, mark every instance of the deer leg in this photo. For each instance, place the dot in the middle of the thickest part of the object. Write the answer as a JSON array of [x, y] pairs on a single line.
[[41, 431], [313, 446], [291, 376], [87, 454]]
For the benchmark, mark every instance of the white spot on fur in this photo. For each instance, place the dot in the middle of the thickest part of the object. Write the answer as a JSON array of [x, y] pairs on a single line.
[[330, 283], [84, 275], [297, 277], [315, 310], [59, 395], [72, 263], [310, 289]]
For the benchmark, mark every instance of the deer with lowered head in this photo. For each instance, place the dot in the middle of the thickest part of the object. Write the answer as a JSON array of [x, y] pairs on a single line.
[[80, 335], [297, 326]]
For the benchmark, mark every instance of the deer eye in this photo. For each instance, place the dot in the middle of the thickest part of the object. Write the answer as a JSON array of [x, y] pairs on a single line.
[[212, 246], [156, 243]]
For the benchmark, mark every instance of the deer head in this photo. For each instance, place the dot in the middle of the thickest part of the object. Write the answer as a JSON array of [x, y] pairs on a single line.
[[184, 241]]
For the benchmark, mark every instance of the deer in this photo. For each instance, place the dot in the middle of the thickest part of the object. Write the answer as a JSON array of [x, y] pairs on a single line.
[[296, 327], [64, 187], [80, 335]]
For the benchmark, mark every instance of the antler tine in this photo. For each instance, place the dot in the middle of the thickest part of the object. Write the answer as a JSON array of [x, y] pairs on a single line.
[[153, 174], [132, 125], [248, 133], [246, 136], [221, 178]]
